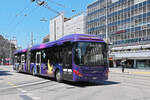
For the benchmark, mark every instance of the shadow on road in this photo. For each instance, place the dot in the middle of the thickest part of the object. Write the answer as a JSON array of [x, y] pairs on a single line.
[[87, 84], [4, 73], [84, 84]]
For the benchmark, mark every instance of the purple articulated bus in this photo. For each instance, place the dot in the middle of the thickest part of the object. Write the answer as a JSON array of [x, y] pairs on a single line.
[[76, 57]]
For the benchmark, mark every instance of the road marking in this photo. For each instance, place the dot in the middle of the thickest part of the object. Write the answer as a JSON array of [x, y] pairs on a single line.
[[20, 89], [11, 84], [29, 94], [14, 86], [132, 72], [23, 85], [35, 98], [140, 72], [24, 97], [23, 91]]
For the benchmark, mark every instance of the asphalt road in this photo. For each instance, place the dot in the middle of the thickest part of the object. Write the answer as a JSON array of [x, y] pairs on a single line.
[[120, 86]]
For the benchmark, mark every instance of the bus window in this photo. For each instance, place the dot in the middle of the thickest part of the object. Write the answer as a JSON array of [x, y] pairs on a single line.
[[43, 57], [32, 58], [23, 58], [90, 54], [38, 58], [19, 59], [16, 59], [67, 60]]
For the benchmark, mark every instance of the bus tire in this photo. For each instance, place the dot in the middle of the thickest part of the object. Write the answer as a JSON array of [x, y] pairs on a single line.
[[58, 76], [18, 69], [33, 72]]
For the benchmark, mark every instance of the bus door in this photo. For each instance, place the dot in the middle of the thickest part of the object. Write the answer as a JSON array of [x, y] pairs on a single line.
[[22, 62], [67, 64], [38, 62]]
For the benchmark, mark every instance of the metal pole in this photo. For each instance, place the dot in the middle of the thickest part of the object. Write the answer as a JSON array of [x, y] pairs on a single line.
[[10, 53], [31, 38], [55, 30], [106, 24], [107, 36]]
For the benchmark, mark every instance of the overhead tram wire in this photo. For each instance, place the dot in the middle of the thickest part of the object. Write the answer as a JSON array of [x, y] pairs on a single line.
[[27, 14], [61, 5], [39, 3], [23, 9], [44, 4], [49, 8], [17, 14]]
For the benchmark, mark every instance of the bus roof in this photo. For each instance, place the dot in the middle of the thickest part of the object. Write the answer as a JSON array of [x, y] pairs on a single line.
[[67, 38], [20, 51]]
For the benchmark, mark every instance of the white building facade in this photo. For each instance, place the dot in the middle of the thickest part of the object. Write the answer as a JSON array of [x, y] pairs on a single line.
[[56, 27], [61, 26], [75, 25]]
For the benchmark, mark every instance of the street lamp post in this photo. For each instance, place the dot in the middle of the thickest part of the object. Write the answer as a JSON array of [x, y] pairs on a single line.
[[10, 56], [106, 24]]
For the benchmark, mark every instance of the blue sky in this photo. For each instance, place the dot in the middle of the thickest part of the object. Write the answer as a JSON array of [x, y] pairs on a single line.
[[21, 17]]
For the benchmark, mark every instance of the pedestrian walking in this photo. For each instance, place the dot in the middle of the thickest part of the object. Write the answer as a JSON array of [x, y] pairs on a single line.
[[123, 65]]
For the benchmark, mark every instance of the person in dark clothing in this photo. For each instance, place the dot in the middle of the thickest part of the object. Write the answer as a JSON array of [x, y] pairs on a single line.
[[123, 65]]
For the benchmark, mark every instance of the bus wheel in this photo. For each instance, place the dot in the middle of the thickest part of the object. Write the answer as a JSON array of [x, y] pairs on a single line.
[[17, 70], [58, 76], [33, 72]]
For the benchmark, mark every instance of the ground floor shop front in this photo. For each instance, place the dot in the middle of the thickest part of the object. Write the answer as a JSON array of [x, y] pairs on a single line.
[[138, 59], [131, 63]]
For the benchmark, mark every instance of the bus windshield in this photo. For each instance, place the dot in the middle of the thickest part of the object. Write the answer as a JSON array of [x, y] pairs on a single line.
[[91, 54]]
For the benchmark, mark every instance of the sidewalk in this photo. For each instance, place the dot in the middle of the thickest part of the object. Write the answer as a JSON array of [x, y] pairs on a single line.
[[145, 72]]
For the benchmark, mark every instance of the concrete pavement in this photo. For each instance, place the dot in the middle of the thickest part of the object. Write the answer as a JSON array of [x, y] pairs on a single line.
[[145, 72], [120, 86]]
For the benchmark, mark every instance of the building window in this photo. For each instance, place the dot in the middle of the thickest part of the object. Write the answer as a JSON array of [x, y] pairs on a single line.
[[132, 35], [144, 9], [144, 33], [148, 19], [148, 7], [140, 33], [137, 34], [144, 20], [148, 32]]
